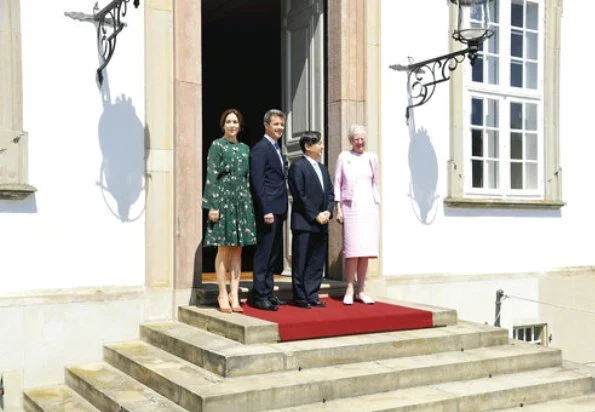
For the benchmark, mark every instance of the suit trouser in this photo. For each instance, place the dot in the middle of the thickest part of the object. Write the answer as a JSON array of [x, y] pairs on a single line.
[[269, 248], [308, 255]]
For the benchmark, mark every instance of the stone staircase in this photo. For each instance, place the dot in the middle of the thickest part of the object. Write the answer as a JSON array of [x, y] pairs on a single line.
[[211, 361]]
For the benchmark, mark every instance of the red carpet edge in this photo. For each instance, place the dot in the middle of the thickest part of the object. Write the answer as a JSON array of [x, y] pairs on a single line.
[[338, 319]]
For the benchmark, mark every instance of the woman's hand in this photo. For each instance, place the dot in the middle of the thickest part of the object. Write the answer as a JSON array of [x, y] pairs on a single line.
[[339, 213], [213, 215]]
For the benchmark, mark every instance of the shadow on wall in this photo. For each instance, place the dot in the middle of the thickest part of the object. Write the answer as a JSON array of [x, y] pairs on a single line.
[[423, 166], [122, 172], [28, 205]]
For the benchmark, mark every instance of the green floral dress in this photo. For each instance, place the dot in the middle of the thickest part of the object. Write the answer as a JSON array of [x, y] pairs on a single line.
[[227, 189]]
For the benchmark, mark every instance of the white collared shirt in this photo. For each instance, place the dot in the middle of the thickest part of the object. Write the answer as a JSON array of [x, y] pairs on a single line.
[[316, 167]]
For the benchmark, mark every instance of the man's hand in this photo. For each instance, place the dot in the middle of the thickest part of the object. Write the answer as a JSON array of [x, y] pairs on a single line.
[[214, 215], [269, 218], [323, 217]]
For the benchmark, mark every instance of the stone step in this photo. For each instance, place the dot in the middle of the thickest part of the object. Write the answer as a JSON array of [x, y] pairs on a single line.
[[241, 328], [250, 330], [585, 403], [206, 294], [108, 389], [229, 358], [197, 390], [55, 399], [485, 394]]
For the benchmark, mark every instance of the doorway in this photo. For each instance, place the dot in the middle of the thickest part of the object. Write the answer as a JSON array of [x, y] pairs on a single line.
[[241, 68]]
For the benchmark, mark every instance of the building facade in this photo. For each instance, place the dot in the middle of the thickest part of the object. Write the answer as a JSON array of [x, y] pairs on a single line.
[[100, 184]]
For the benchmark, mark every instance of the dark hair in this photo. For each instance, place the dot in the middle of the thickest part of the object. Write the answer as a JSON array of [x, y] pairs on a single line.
[[273, 112], [227, 113], [309, 138]]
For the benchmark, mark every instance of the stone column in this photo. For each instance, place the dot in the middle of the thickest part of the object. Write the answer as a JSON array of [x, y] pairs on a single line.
[[346, 93], [188, 144], [159, 146]]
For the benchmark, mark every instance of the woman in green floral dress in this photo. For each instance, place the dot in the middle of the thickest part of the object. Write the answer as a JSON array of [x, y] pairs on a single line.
[[227, 195]]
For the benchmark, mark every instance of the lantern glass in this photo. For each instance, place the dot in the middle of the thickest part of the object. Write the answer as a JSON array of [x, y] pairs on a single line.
[[473, 21]]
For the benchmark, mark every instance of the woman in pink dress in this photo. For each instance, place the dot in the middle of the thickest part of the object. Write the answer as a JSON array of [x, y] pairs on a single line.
[[357, 197]]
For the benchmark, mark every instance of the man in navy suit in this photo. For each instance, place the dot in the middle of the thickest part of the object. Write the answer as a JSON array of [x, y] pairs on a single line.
[[313, 199], [267, 174]]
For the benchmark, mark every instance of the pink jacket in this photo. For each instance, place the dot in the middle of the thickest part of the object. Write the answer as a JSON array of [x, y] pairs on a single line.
[[343, 183]]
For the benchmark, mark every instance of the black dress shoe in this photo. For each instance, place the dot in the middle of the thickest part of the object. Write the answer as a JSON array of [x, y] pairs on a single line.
[[318, 303], [264, 305], [276, 301], [302, 304]]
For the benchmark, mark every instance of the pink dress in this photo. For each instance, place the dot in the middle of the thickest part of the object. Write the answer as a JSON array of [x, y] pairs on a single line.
[[356, 187]]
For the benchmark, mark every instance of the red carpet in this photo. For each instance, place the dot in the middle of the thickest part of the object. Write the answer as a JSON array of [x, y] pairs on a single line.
[[338, 319]]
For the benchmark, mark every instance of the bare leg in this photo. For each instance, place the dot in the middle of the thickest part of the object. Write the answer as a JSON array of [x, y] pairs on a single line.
[[362, 272], [221, 266], [236, 271], [350, 269]]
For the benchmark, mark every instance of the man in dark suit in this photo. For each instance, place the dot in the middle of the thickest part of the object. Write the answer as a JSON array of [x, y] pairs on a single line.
[[313, 196], [267, 174]]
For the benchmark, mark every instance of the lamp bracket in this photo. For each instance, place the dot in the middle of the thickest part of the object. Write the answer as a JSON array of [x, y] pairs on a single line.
[[425, 75], [109, 25]]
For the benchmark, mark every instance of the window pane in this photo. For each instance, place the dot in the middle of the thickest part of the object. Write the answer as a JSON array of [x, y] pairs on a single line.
[[476, 142], [477, 112], [516, 13], [531, 146], [477, 173], [516, 145], [493, 42], [516, 74], [492, 174], [531, 39], [477, 70], [530, 116], [516, 175], [516, 43], [492, 136], [531, 173], [494, 10], [521, 334], [516, 115], [531, 75], [528, 334], [532, 15], [492, 119], [493, 77]]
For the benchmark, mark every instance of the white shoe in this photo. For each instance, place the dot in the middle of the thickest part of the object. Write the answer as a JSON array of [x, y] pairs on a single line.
[[348, 300], [361, 297]]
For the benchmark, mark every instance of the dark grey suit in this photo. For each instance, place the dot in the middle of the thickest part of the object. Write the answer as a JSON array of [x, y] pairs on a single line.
[[309, 244], [267, 174]]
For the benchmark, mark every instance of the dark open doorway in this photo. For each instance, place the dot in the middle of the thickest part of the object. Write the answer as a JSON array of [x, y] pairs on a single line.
[[241, 68]]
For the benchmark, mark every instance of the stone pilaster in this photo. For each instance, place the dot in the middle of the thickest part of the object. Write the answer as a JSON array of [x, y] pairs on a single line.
[[159, 143], [188, 144]]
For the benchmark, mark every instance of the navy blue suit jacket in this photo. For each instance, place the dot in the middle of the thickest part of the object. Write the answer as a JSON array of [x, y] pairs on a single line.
[[267, 176], [309, 198]]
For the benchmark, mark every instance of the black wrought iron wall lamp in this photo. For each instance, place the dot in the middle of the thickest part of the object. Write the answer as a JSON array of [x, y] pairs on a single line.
[[109, 25], [473, 28]]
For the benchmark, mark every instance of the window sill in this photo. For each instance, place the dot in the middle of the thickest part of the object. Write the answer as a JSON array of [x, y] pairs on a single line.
[[503, 204], [15, 191]]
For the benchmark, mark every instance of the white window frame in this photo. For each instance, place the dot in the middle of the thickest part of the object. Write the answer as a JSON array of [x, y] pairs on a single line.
[[505, 94], [548, 194], [542, 338], [13, 139]]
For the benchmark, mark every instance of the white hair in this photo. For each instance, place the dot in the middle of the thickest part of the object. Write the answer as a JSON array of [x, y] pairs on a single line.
[[355, 129]]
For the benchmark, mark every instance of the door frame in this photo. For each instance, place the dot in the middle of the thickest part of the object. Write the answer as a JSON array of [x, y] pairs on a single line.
[[173, 110]]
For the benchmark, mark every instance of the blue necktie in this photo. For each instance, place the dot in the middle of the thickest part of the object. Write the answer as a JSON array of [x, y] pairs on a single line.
[[278, 149]]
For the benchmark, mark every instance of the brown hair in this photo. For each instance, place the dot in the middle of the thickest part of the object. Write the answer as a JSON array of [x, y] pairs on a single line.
[[227, 113]]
